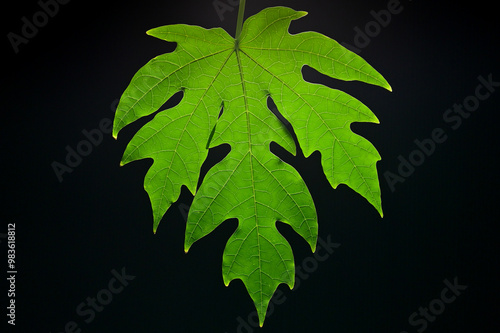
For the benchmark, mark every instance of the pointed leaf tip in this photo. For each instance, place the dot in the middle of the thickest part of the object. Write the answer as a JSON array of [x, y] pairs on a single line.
[[379, 210], [313, 249], [186, 248]]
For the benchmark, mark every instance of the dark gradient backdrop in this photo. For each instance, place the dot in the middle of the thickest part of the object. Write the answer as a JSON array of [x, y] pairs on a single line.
[[74, 237]]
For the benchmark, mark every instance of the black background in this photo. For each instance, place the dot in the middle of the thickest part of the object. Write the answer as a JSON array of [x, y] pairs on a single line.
[[439, 224]]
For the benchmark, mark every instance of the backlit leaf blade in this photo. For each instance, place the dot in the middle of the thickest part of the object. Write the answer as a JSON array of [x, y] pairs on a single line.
[[250, 184]]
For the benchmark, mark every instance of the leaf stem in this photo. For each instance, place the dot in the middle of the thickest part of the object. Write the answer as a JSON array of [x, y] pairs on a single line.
[[241, 14]]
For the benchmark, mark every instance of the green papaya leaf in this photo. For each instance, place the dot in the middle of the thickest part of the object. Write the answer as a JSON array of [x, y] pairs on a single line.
[[217, 72]]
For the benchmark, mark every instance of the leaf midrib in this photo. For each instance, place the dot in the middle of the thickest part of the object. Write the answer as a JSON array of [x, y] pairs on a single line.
[[251, 157]]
